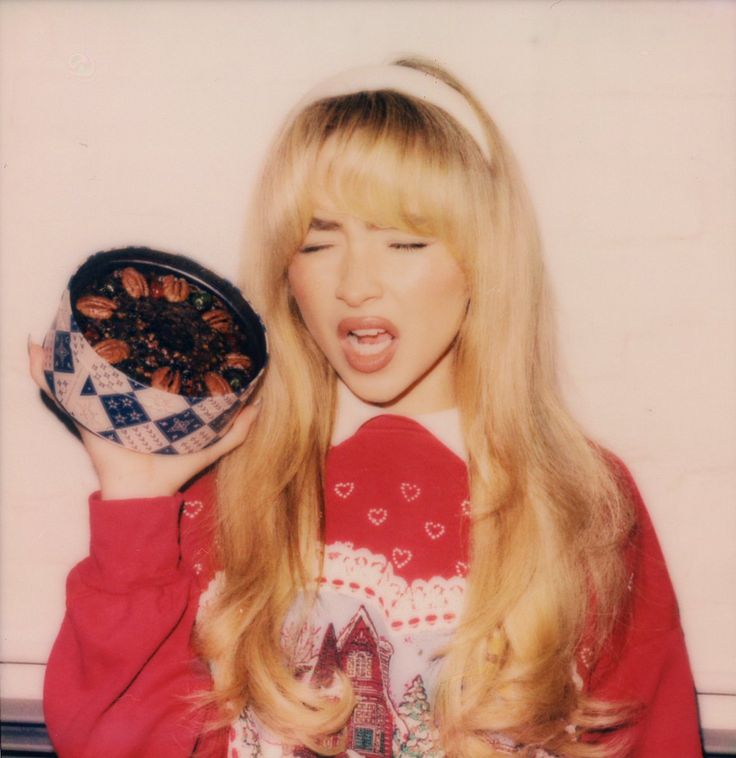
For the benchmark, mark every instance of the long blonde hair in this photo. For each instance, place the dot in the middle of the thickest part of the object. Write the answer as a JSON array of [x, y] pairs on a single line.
[[549, 522]]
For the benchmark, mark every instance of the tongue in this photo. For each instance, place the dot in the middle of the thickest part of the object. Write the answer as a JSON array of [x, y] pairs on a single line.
[[371, 339]]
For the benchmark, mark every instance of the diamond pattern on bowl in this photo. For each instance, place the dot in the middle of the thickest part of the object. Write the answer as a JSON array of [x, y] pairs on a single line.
[[63, 353], [116, 407], [123, 410], [180, 425], [219, 423]]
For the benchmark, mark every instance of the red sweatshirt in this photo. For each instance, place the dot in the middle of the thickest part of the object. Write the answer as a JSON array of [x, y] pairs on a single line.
[[122, 671]]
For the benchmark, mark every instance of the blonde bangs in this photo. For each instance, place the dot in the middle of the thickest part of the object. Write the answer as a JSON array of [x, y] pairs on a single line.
[[390, 161]]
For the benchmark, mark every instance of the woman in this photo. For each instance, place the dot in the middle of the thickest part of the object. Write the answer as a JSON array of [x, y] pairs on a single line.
[[418, 552]]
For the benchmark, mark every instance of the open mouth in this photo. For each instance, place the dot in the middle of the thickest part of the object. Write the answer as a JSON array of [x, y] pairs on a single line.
[[369, 343]]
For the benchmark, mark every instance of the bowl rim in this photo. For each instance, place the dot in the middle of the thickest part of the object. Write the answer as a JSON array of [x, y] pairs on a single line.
[[176, 263]]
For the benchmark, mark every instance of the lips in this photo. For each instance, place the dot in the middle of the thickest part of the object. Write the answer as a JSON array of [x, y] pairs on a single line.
[[368, 342]]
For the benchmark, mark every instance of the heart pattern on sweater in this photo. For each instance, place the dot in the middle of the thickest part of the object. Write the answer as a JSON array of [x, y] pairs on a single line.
[[410, 491], [400, 557], [377, 516], [434, 529], [193, 508], [344, 489]]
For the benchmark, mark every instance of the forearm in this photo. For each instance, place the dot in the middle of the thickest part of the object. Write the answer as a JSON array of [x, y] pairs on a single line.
[[122, 673]]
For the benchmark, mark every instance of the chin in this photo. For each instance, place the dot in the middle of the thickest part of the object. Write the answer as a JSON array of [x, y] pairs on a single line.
[[373, 389]]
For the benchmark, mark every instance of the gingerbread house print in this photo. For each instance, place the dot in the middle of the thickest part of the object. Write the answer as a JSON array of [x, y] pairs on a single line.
[[364, 657]]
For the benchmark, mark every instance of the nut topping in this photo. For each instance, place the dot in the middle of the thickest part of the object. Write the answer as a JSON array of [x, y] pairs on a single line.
[[238, 360], [216, 384], [112, 350], [166, 379], [134, 283], [175, 290], [96, 306], [165, 331], [219, 320]]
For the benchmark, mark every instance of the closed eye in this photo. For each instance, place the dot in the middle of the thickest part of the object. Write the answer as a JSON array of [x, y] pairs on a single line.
[[313, 248], [409, 245]]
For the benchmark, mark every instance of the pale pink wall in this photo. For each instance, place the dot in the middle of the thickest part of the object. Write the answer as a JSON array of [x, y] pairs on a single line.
[[144, 122]]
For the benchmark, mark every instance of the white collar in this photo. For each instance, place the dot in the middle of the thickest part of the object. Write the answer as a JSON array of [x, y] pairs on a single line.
[[352, 413]]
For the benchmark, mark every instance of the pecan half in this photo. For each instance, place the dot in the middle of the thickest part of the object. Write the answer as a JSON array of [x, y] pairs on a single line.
[[166, 379], [238, 360], [219, 320], [175, 290], [112, 350], [216, 384], [96, 306], [134, 283]]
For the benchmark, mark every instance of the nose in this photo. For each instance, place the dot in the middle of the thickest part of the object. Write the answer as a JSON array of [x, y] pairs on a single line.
[[359, 279]]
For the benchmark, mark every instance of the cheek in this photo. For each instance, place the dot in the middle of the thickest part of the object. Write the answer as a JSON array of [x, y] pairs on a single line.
[[300, 286], [309, 277], [296, 280], [445, 295], [309, 298]]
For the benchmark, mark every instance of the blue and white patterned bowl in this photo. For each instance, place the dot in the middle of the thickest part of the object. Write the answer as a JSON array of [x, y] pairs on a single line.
[[117, 407]]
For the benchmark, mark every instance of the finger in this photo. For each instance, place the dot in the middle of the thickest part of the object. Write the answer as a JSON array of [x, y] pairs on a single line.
[[35, 364], [238, 430], [235, 435]]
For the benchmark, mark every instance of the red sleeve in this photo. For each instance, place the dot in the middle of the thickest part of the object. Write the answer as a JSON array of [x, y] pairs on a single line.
[[646, 662], [122, 672]]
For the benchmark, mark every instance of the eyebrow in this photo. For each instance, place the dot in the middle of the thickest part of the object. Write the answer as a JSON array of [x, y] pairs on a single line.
[[325, 225]]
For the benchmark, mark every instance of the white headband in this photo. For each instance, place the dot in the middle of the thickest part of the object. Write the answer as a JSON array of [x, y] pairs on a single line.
[[408, 81]]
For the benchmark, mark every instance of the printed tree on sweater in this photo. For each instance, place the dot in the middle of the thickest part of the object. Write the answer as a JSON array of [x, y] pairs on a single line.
[[416, 712]]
